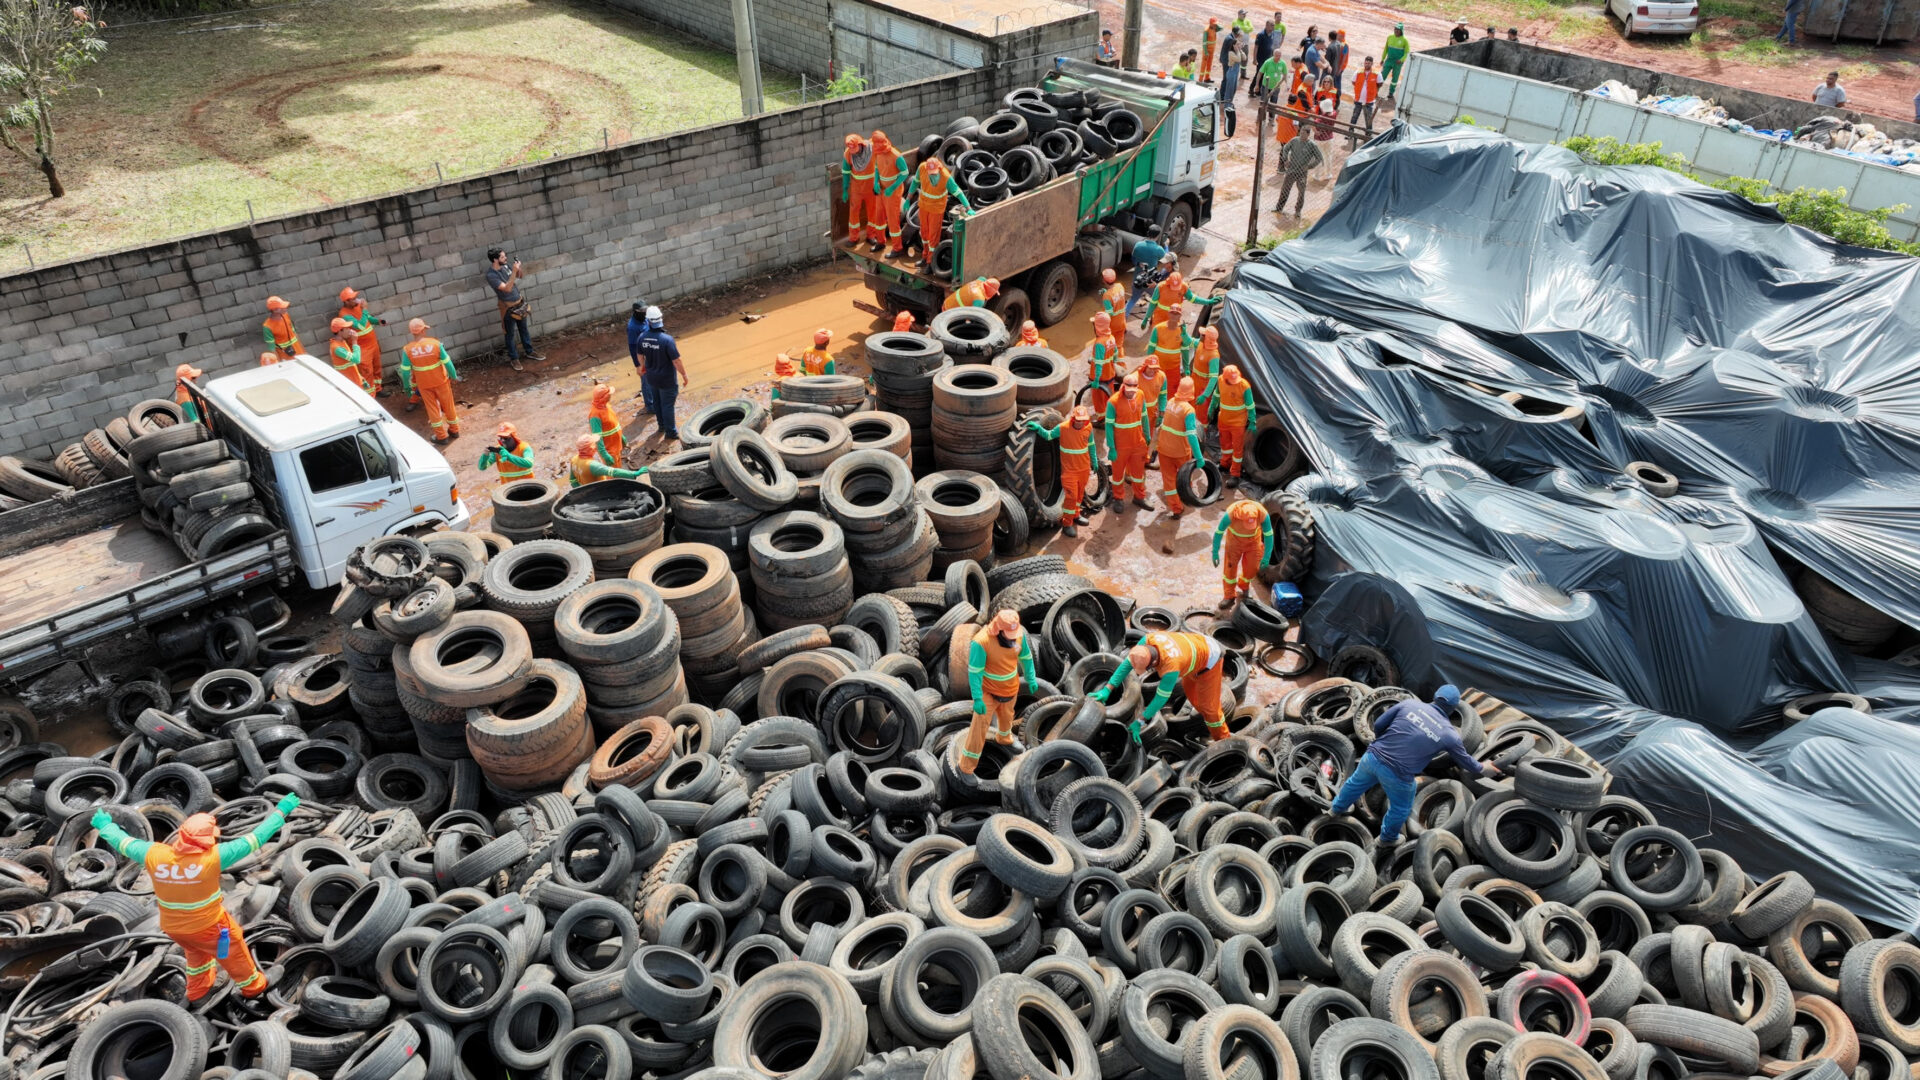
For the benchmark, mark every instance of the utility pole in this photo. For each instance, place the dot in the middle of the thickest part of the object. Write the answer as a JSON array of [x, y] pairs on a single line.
[[1136, 17], [746, 51], [1259, 164]]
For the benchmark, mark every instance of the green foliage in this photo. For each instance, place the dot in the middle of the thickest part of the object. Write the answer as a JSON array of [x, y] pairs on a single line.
[[1463, 118], [1822, 210], [43, 46], [847, 82]]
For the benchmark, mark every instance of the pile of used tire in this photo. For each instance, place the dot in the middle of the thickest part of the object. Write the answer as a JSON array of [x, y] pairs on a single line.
[[804, 883], [102, 454], [821, 395]]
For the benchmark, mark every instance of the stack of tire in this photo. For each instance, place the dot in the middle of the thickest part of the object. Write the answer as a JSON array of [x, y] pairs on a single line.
[[903, 366], [454, 564], [24, 481], [884, 431], [698, 583], [523, 509], [528, 581], [1042, 378], [963, 507], [800, 571], [391, 596], [702, 511], [807, 443], [974, 407], [526, 717], [615, 520], [821, 395], [99, 456], [890, 539], [193, 489], [1038, 136], [624, 640]]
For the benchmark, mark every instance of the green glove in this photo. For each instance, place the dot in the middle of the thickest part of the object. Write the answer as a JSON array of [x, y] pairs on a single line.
[[100, 818], [1133, 732], [1033, 688], [287, 803], [1035, 425], [1100, 696]]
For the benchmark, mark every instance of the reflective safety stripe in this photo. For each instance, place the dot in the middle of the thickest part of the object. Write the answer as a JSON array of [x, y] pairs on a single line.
[[1064, 450], [204, 968], [1224, 407], [257, 976], [1241, 535], [194, 906], [515, 474], [1135, 424]]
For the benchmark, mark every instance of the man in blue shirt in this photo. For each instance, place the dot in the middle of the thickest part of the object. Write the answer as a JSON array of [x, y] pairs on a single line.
[[1147, 271], [1406, 739], [659, 360], [1263, 45], [636, 326]]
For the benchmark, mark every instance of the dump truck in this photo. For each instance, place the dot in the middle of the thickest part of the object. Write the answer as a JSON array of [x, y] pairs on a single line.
[[329, 467], [1046, 244]]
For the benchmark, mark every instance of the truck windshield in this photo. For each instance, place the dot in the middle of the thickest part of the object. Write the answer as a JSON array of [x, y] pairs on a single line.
[[335, 464]]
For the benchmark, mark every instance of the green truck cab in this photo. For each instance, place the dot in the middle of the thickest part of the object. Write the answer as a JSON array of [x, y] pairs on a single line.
[[1046, 244]]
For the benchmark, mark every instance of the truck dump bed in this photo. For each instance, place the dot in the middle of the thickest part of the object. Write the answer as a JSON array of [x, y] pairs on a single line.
[[55, 576]]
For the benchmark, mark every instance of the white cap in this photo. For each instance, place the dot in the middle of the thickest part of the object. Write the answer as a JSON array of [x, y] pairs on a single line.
[[653, 314]]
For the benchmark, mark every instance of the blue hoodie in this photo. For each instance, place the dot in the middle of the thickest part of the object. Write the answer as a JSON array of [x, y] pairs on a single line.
[[1410, 735]]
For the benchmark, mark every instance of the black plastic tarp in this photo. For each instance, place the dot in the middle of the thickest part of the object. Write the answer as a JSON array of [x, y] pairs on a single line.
[[1471, 346]]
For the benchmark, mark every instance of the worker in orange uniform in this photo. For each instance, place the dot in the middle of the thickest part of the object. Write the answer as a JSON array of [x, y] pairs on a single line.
[[1205, 369], [186, 885], [1193, 662], [1030, 336], [1126, 442], [1103, 366], [1076, 464], [181, 396], [587, 464], [278, 329], [1247, 537], [1169, 296], [890, 180], [268, 359], [604, 423], [856, 188], [1236, 417], [425, 367], [903, 322], [1209, 44], [997, 659], [353, 308], [343, 351], [974, 293], [817, 360], [1153, 391], [1113, 295], [510, 454], [1169, 341], [1179, 443], [934, 182]]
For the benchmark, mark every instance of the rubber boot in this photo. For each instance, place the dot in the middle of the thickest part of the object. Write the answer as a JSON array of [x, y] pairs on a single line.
[[1069, 531]]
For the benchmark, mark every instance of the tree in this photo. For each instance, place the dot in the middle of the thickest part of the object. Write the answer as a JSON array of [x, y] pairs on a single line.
[[43, 45]]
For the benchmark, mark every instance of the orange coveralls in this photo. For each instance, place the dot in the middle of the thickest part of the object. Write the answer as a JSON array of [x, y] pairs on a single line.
[[1242, 544], [1205, 370], [1103, 370], [1127, 445], [1153, 390], [430, 372], [856, 178], [344, 352], [278, 330], [1176, 446], [935, 183], [1196, 660], [366, 327], [605, 423], [889, 191], [993, 673], [1236, 415]]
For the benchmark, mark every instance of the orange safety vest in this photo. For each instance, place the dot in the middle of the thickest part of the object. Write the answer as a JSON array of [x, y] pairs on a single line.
[[1173, 430], [423, 354], [1205, 365], [1115, 296], [187, 888], [1366, 86], [973, 292], [336, 345], [933, 182], [1103, 371], [1167, 343], [850, 157], [886, 169], [1167, 294], [1183, 653], [1002, 677], [1246, 516], [609, 423], [1234, 402], [281, 327], [1075, 457], [1126, 418], [814, 362], [582, 470], [1153, 380], [508, 470], [1038, 342]]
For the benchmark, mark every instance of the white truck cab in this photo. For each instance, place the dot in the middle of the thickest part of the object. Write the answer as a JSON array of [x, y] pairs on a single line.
[[329, 463], [1186, 163]]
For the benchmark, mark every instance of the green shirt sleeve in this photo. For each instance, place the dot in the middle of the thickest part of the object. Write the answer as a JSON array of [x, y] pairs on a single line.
[[452, 372], [1219, 536], [976, 675], [234, 850], [1160, 695], [1266, 539], [1193, 436], [487, 459], [1120, 674], [1052, 434], [953, 188], [1112, 420], [600, 444], [267, 336], [127, 846], [1026, 662], [191, 411]]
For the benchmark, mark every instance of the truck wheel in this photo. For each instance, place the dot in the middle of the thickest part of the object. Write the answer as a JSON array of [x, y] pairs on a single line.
[[1057, 286], [1177, 227], [1013, 307]]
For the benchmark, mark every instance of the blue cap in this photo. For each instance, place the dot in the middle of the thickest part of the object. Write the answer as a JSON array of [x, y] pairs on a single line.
[[1447, 697]]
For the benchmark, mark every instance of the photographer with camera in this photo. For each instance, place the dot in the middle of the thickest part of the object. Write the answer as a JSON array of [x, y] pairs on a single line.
[[503, 278]]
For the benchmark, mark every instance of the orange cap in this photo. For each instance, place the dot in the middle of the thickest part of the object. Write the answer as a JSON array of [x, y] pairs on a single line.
[[1006, 621], [1174, 279], [993, 286], [1132, 381], [1246, 511], [903, 323], [602, 394], [186, 371], [854, 140], [583, 445], [417, 326], [348, 296], [822, 336], [274, 303], [881, 144], [338, 324], [1102, 321], [1185, 392], [1082, 415], [507, 428], [1107, 276], [1152, 361], [268, 359], [1210, 334], [198, 833], [1230, 373]]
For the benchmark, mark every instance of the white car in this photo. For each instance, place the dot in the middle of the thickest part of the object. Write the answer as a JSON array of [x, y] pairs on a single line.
[[1655, 18]]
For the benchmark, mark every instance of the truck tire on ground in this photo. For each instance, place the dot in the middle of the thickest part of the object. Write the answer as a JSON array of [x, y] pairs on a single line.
[[1294, 535], [808, 444], [705, 426], [685, 472]]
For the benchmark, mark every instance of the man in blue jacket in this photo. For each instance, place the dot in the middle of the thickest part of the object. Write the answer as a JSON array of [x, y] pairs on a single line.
[[658, 358], [1406, 739], [637, 326]]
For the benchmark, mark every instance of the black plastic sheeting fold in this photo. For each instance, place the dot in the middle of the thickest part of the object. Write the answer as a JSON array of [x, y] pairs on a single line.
[[1475, 341]]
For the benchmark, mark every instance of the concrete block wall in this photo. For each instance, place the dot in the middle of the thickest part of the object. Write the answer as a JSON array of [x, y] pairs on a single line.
[[793, 33], [659, 219]]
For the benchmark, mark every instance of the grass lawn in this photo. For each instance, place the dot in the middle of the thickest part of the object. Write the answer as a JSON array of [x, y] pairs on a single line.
[[301, 105]]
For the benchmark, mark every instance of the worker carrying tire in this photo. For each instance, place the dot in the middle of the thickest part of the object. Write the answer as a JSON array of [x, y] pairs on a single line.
[[1179, 442], [1076, 464], [1406, 739], [890, 190], [1103, 366], [1153, 391], [1192, 662], [1236, 418], [588, 466], [343, 351], [934, 183], [856, 188], [604, 424], [353, 308], [181, 396], [1246, 535], [1126, 443], [999, 657], [426, 367], [510, 454], [974, 293], [278, 329], [186, 884]]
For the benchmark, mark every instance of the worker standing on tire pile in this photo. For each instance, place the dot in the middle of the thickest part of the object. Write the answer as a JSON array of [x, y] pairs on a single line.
[[181, 396], [974, 293], [1192, 662], [589, 464], [1103, 367], [998, 658], [1236, 417], [1030, 336], [353, 308], [1076, 464], [934, 182], [1126, 443], [604, 424], [1205, 369], [278, 329], [186, 884], [426, 368], [890, 191], [1246, 534], [856, 189], [343, 349], [1406, 739], [510, 453], [1179, 443]]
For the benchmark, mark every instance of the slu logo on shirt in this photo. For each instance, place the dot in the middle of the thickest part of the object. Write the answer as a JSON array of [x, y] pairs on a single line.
[[179, 872]]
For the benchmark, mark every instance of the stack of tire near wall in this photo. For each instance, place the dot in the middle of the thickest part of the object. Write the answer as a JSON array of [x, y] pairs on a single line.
[[811, 887], [102, 454], [190, 488]]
